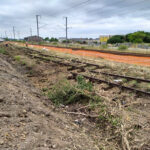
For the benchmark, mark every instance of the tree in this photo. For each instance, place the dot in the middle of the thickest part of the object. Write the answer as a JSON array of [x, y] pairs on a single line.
[[147, 37], [53, 40], [46, 39], [137, 37], [116, 39]]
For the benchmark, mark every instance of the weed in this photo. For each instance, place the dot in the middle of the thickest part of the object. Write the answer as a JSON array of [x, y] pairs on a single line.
[[2, 51], [23, 62], [17, 58], [124, 80], [122, 47], [55, 43], [82, 84], [115, 121], [82, 47], [45, 89], [133, 83], [66, 93], [129, 109], [30, 72], [104, 46]]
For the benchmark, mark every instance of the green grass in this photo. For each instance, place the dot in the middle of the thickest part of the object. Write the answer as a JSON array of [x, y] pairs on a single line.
[[66, 93], [122, 47], [82, 92], [133, 83], [17, 58], [20, 60], [104, 46], [2, 51]]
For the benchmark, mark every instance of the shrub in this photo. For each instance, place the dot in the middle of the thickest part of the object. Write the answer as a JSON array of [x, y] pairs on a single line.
[[55, 43], [82, 47], [2, 51], [104, 46], [122, 47], [66, 93]]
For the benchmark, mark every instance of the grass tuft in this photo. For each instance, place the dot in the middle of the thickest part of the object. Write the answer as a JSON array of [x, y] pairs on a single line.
[[2, 51], [17, 58], [122, 47], [82, 92], [66, 93]]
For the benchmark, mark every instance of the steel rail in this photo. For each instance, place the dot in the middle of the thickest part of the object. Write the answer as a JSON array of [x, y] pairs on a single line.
[[92, 79]]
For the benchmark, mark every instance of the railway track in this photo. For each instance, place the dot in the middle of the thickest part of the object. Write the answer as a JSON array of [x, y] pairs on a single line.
[[82, 66], [93, 79]]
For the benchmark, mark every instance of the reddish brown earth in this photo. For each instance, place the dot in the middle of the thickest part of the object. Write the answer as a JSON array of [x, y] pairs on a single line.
[[143, 61]]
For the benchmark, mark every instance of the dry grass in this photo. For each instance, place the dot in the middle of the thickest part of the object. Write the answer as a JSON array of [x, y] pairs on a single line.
[[133, 111]]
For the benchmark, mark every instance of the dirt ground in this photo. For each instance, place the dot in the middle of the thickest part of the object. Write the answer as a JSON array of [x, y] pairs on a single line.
[[143, 61], [28, 122], [28, 119]]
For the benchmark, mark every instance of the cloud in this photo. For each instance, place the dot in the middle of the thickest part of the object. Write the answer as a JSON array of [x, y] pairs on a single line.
[[87, 18]]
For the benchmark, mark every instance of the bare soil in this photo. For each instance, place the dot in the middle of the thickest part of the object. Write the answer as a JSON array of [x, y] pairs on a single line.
[[28, 120]]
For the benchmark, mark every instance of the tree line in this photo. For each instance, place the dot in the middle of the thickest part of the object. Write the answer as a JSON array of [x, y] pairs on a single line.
[[136, 37], [51, 39]]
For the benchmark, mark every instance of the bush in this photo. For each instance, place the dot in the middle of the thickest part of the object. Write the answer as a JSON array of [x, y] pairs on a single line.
[[66, 93], [122, 47], [54, 43], [2, 51], [104, 46]]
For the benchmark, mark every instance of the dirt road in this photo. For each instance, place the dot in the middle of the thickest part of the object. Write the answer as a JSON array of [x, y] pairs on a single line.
[[28, 121], [143, 61]]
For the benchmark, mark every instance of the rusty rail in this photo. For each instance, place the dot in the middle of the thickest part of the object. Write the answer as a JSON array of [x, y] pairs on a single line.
[[92, 79]]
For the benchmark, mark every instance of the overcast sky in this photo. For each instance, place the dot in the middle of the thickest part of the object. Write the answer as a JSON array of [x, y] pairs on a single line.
[[86, 18]]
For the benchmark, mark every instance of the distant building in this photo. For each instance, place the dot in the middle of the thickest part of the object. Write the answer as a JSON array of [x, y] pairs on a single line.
[[104, 38], [78, 39], [61, 39], [1, 40], [33, 39]]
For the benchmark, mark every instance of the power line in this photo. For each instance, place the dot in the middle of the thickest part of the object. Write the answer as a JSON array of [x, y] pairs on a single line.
[[75, 6]]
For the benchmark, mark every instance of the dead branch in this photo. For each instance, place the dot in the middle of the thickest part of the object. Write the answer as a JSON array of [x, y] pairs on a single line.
[[82, 114]]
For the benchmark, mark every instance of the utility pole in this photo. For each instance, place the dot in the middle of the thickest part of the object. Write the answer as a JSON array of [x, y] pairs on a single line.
[[14, 32], [37, 21], [66, 30]]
